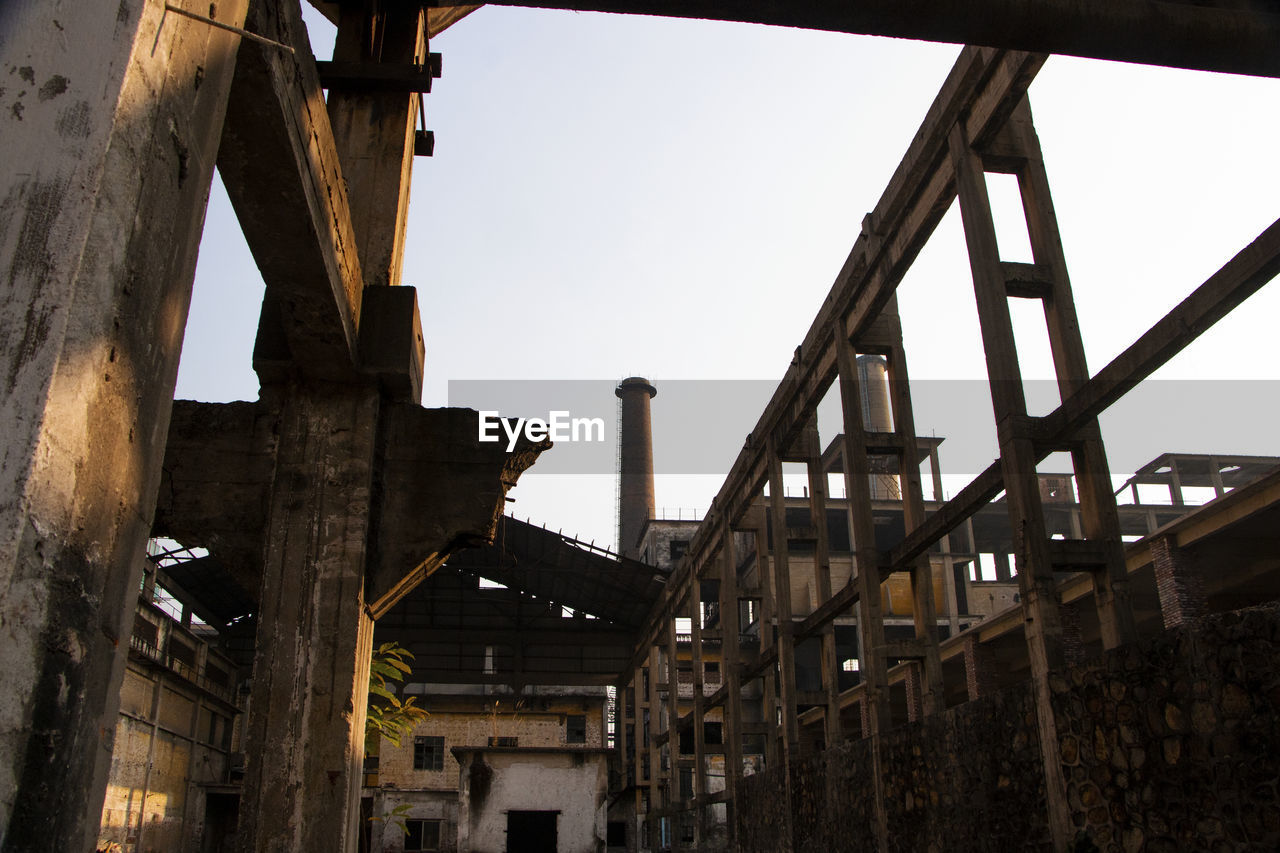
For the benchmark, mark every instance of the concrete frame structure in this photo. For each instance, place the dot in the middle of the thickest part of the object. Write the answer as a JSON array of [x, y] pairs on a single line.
[[981, 122], [102, 191]]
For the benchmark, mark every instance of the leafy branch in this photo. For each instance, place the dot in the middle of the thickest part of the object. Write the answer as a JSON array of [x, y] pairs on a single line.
[[388, 715]]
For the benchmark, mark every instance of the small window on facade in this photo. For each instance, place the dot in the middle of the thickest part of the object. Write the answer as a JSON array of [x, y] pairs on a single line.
[[506, 742], [678, 549], [421, 835], [575, 728], [428, 754]]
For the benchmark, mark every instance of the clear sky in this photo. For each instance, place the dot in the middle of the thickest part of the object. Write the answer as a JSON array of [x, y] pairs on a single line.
[[618, 195]]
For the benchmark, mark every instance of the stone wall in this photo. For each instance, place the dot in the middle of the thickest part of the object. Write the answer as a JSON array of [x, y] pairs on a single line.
[[970, 779], [1166, 745], [762, 811], [1171, 744], [834, 799]]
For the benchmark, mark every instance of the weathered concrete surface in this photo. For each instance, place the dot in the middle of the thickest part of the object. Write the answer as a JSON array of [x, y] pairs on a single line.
[[350, 501], [495, 781], [218, 466], [439, 490], [305, 735], [110, 116], [434, 488], [283, 176]]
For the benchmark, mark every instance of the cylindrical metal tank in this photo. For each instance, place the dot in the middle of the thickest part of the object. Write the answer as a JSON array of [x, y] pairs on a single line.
[[877, 416]]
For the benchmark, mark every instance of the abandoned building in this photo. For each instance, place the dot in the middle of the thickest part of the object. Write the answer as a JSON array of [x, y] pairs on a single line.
[[1028, 664]]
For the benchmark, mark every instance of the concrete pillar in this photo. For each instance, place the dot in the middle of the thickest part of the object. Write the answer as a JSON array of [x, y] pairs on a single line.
[[783, 609], [828, 661], [674, 795], [729, 643], [923, 608], [305, 733], [1018, 466], [374, 131], [1178, 582], [699, 710], [635, 489], [111, 123]]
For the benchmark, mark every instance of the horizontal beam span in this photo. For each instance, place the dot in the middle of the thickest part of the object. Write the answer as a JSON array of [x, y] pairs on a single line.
[[280, 166], [1240, 278], [1181, 34], [983, 88]]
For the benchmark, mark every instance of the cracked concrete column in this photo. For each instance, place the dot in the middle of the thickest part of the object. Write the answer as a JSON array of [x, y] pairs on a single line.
[[305, 736], [110, 116]]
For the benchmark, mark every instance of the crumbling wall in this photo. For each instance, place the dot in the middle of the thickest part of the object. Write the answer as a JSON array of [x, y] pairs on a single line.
[[762, 811], [1170, 744], [833, 797], [969, 779], [1166, 745]]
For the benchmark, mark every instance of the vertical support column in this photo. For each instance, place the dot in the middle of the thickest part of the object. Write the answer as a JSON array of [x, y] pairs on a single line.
[[374, 132], [1178, 582], [625, 771], [769, 702], [948, 564], [1215, 477], [829, 662], [315, 635], [866, 562], [782, 608], [924, 612], [1018, 463], [866, 558], [1175, 483], [699, 709], [100, 222], [655, 754], [731, 673], [640, 746], [675, 796], [1099, 516]]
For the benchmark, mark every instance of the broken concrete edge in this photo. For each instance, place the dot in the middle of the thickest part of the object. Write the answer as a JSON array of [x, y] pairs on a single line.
[[438, 488], [436, 497]]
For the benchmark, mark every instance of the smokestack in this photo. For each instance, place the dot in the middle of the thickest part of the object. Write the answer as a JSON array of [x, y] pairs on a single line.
[[635, 455]]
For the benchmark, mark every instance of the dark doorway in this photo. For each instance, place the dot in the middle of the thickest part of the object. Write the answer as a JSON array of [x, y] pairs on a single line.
[[220, 813], [531, 832]]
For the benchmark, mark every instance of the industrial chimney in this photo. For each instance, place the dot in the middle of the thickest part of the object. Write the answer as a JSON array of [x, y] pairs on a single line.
[[635, 468]]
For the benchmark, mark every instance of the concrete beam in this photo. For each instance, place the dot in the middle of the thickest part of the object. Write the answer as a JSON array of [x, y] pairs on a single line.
[[112, 120], [1211, 36], [283, 175], [439, 490], [218, 466], [982, 90]]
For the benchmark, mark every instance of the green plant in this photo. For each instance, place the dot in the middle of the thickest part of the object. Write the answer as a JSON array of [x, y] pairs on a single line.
[[395, 817], [388, 715]]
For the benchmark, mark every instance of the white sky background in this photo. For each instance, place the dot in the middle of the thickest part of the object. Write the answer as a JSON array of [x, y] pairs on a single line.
[[617, 195]]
